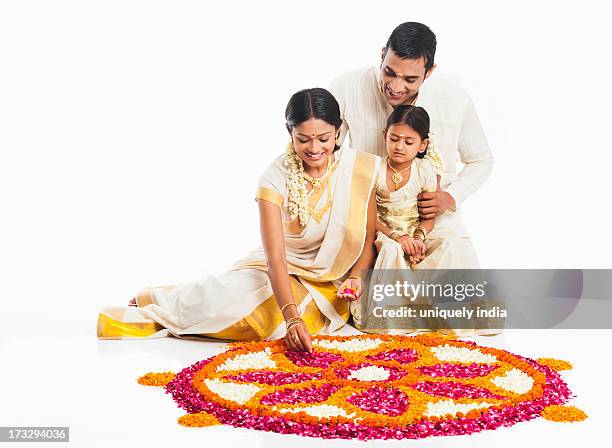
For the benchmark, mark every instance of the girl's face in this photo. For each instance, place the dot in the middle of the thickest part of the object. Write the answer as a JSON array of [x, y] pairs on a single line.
[[403, 143], [314, 141]]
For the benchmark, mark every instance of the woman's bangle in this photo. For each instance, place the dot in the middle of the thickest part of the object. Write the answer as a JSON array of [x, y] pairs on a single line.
[[286, 305], [356, 277], [294, 320]]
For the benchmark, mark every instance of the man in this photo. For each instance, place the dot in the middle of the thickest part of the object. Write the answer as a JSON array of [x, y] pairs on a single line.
[[367, 97]]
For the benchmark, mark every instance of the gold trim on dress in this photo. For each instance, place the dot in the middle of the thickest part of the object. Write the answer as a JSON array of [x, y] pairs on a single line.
[[355, 233], [267, 194], [109, 328]]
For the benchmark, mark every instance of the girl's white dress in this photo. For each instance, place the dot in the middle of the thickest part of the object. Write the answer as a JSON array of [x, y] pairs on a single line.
[[398, 211]]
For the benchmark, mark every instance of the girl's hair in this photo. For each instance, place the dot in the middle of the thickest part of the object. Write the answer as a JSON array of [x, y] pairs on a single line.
[[313, 103], [414, 116]]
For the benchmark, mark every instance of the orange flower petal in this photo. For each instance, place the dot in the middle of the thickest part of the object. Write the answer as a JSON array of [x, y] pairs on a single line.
[[555, 364], [563, 414], [156, 379], [199, 419]]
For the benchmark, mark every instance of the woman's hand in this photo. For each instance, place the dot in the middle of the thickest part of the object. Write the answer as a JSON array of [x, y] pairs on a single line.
[[350, 290], [298, 338]]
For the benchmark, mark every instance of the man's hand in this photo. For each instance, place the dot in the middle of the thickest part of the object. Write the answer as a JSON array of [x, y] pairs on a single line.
[[434, 204]]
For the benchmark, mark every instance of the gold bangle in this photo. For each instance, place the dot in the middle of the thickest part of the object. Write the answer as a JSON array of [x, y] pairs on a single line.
[[419, 233], [286, 305], [353, 276], [294, 320], [395, 235]]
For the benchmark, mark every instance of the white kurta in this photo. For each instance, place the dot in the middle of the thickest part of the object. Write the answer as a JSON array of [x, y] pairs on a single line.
[[454, 121]]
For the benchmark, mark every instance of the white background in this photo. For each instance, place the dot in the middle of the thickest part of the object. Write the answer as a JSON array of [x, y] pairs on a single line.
[[132, 135]]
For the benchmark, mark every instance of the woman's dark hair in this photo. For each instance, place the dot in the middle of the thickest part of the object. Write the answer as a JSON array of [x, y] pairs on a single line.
[[313, 103], [413, 40], [414, 116]]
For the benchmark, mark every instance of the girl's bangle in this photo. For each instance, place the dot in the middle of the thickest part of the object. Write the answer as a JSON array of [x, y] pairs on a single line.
[[419, 233]]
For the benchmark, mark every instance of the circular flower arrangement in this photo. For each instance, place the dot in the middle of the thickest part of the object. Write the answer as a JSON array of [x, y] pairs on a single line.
[[369, 387]]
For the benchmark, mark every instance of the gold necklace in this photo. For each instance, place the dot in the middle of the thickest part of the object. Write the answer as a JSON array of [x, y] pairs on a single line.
[[318, 214], [316, 182], [397, 177]]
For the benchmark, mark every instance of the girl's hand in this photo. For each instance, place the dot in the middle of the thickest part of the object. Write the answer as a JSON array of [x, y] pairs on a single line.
[[298, 338], [410, 245], [416, 259], [420, 254], [350, 290]]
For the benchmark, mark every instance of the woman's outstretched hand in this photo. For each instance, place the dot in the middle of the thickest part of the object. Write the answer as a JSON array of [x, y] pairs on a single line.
[[350, 290], [298, 338]]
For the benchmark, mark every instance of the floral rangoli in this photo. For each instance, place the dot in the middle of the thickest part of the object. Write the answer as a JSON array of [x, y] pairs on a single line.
[[369, 387]]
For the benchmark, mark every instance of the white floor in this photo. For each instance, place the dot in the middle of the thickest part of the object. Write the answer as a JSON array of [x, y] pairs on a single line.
[[58, 374]]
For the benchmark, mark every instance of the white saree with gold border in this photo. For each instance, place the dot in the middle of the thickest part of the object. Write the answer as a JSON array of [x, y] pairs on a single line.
[[239, 304]]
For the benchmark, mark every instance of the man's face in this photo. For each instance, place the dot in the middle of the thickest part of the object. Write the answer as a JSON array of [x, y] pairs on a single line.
[[401, 78]]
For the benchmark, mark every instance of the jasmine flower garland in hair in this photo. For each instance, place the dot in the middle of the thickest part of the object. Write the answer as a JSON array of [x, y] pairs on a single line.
[[434, 155], [296, 184]]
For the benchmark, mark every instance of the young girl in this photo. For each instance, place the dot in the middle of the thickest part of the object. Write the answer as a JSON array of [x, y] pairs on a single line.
[[406, 172], [405, 241]]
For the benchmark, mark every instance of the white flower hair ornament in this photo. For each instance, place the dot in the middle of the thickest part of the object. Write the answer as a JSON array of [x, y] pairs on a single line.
[[433, 154], [296, 185]]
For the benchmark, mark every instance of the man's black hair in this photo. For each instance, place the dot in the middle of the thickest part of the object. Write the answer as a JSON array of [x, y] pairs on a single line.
[[413, 40]]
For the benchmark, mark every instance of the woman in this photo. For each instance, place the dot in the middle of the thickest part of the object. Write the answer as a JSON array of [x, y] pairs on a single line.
[[317, 206]]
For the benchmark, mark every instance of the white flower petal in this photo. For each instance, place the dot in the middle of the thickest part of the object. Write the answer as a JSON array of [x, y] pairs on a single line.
[[370, 373], [514, 380], [461, 354], [239, 393], [255, 360], [352, 345], [321, 411], [444, 407]]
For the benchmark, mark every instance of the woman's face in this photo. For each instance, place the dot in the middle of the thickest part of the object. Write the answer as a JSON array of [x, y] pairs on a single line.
[[314, 141], [403, 143]]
